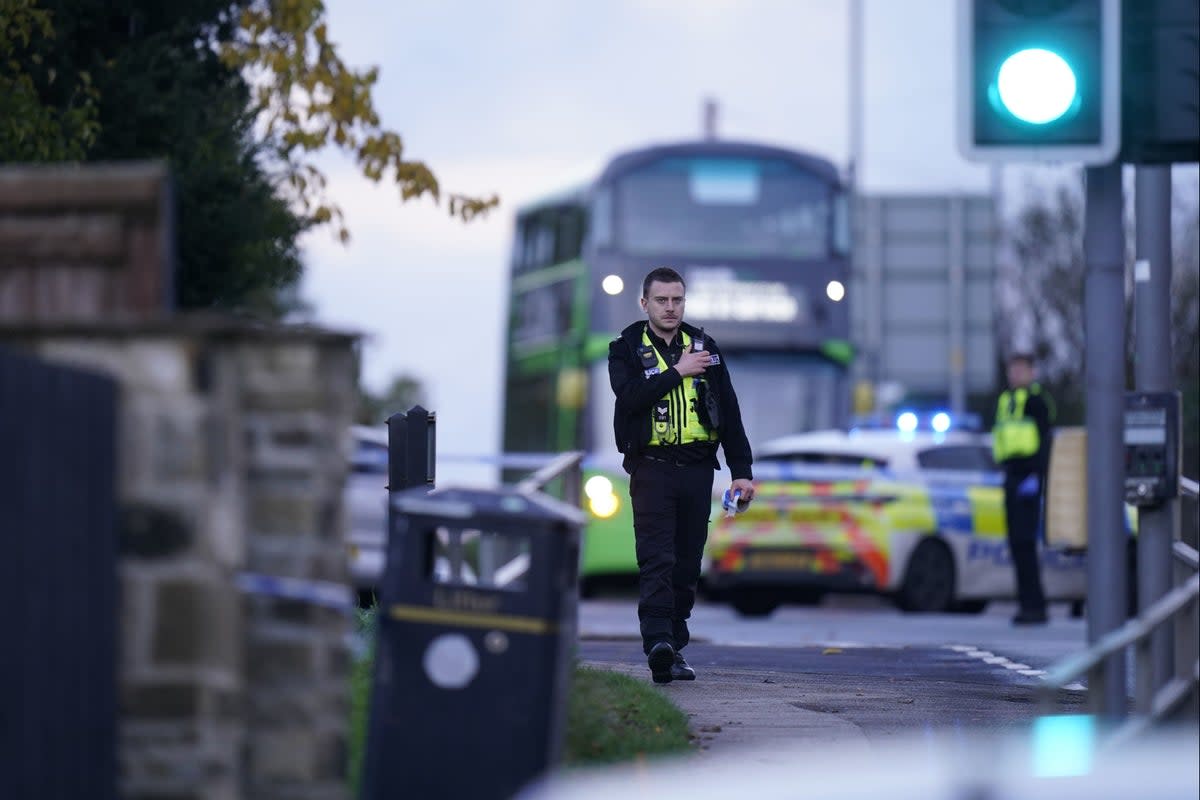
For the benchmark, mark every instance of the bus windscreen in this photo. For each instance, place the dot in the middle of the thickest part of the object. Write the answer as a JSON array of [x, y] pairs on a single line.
[[710, 207]]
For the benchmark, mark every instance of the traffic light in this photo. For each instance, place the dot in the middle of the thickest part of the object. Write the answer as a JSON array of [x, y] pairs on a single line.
[[1160, 81], [1039, 80]]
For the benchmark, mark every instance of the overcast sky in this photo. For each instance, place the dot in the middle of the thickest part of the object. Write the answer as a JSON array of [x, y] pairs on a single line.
[[520, 97]]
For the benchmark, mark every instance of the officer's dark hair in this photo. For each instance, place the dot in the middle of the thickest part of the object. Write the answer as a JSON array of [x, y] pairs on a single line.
[[1026, 357], [662, 275]]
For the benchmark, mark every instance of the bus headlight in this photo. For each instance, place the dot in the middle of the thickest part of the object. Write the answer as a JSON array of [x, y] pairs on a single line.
[[597, 486], [604, 505], [602, 500]]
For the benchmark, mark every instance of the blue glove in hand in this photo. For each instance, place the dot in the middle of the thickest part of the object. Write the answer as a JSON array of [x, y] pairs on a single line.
[[1028, 487]]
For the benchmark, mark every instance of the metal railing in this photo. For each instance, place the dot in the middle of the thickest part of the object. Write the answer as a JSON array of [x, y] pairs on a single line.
[[1189, 487], [1151, 705], [565, 465]]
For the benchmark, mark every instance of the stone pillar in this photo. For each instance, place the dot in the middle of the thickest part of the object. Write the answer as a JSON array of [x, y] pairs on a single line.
[[297, 402], [232, 459]]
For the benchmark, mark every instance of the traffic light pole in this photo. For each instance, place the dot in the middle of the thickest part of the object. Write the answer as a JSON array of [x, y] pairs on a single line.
[[1104, 326], [1152, 371]]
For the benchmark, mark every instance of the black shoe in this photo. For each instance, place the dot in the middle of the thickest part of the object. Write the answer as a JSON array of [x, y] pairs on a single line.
[[661, 660], [1030, 618], [681, 670]]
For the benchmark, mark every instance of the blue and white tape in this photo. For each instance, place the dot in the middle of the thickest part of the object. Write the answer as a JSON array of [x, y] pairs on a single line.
[[321, 593]]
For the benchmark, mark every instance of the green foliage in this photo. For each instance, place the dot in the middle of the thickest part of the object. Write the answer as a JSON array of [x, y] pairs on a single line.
[[238, 95], [313, 99], [154, 88], [236, 236], [33, 128], [361, 671]]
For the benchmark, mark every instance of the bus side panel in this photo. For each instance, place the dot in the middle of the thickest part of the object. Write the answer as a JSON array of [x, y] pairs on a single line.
[[608, 547]]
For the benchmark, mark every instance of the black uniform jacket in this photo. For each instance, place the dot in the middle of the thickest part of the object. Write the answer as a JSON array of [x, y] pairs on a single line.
[[636, 394]]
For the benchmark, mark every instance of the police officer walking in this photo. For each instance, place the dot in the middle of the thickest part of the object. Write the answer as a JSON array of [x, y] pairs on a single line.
[[1021, 446], [674, 405]]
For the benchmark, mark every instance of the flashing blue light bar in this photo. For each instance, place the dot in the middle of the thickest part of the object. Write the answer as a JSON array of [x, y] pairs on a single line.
[[911, 421]]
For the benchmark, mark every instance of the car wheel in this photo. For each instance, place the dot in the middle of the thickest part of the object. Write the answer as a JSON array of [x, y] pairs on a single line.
[[807, 597], [969, 607], [929, 579], [752, 603]]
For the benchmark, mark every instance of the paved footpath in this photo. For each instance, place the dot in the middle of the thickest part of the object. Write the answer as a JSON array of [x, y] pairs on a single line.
[[738, 709], [753, 699]]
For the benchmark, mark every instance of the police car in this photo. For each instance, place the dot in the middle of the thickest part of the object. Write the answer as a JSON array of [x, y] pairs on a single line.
[[365, 498], [914, 511]]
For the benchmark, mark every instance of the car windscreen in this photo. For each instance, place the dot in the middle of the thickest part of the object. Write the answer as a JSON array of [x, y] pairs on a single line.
[[957, 458]]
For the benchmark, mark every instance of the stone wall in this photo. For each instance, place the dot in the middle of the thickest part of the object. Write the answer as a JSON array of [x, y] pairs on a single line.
[[93, 242], [231, 461]]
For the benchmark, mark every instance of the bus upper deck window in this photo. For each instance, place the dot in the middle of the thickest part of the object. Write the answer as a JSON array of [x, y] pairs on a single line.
[[600, 226], [727, 181]]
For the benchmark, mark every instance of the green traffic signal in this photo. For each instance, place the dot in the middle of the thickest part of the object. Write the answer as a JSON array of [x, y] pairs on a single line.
[[1036, 86], [1040, 80]]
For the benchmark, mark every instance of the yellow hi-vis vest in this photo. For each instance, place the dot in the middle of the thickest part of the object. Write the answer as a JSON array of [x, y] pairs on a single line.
[[1015, 435], [673, 419]]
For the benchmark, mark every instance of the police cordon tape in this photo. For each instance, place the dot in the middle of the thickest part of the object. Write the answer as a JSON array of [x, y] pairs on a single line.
[[771, 469], [327, 594]]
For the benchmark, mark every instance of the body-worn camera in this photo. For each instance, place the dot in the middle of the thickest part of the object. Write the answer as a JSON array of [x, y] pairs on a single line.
[[707, 407]]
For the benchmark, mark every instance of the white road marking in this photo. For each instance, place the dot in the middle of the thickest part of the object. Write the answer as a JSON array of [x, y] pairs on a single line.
[[988, 657]]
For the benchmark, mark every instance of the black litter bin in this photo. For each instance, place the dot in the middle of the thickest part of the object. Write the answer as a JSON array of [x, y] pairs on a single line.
[[476, 630]]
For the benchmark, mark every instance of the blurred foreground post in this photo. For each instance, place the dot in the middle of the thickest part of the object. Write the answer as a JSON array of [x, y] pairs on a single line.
[[1104, 323], [58, 581], [1157, 526]]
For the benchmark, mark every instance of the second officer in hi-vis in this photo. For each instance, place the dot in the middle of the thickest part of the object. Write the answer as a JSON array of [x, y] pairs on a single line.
[[675, 404]]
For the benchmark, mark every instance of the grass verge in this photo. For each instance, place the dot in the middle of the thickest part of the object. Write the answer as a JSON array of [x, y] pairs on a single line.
[[610, 717], [361, 670], [613, 717]]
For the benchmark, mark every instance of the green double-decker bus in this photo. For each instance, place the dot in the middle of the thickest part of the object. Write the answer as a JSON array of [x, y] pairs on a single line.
[[761, 236]]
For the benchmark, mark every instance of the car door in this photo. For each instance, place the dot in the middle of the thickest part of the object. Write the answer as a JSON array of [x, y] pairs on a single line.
[[967, 495]]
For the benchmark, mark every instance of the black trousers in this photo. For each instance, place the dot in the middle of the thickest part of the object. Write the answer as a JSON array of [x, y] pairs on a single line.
[[671, 504], [1023, 515]]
